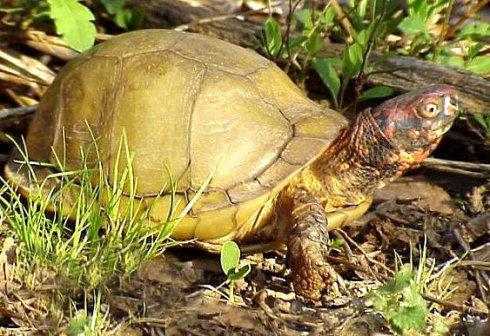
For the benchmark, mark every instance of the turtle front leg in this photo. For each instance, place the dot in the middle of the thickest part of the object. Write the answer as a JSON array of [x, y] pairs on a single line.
[[307, 247]]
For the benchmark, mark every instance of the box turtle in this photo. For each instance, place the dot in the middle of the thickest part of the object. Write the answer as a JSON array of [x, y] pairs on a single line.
[[284, 169]]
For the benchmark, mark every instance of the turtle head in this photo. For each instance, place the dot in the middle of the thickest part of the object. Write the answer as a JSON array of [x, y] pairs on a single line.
[[382, 143], [415, 122]]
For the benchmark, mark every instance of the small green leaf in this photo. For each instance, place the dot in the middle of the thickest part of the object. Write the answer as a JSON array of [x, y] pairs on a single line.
[[273, 37], [386, 6], [401, 281], [475, 30], [440, 328], [336, 243], [376, 92], [401, 303], [352, 61], [363, 37], [329, 76], [304, 17], [409, 318], [294, 45], [73, 22], [482, 120], [315, 43], [230, 257], [479, 65], [436, 7], [129, 19], [113, 6], [475, 50], [419, 8], [387, 26], [412, 311], [327, 19], [361, 8], [413, 25], [451, 60], [79, 324], [240, 274], [336, 62]]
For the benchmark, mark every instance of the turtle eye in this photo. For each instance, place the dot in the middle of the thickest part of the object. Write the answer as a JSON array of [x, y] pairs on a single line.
[[429, 110]]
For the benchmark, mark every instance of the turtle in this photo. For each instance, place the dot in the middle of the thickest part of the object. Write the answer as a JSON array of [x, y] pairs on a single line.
[[278, 168]]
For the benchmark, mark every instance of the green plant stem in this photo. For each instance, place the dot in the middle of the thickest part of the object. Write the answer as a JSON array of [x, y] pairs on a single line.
[[442, 35], [231, 295], [343, 87], [316, 24], [344, 21], [369, 48], [289, 20]]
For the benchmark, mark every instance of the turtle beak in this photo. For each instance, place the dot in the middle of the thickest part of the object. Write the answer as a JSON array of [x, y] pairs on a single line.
[[449, 114], [450, 106]]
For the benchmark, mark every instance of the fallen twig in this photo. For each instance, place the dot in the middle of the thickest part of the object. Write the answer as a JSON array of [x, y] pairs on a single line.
[[18, 111], [344, 21], [457, 164], [462, 308], [28, 65], [470, 169], [468, 14], [223, 17], [351, 241], [478, 273]]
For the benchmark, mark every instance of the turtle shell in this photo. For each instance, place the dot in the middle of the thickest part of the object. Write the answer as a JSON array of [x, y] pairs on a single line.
[[194, 105]]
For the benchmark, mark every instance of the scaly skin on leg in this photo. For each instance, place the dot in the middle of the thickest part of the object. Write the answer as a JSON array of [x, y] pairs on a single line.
[[307, 246]]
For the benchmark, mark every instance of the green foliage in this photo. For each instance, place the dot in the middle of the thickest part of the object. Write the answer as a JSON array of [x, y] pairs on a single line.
[[474, 31], [230, 262], [335, 73], [74, 22], [110, 233], [352, 61], [374, 23], [479, 65], [414, 25], [484, 121], [421, 14], [314, 24], [336, 243], [94, 324], [328, 75], [273, 37], [401, 303], [308, 43], [401, 300], [127, 19], [113, 6], [377, 92]]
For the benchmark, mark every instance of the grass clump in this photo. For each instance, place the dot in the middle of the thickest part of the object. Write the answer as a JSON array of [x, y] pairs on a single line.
[[403, 300], [76, 236]]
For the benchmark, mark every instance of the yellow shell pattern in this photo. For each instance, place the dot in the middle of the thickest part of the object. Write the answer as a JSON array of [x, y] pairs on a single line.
[[197, 105]]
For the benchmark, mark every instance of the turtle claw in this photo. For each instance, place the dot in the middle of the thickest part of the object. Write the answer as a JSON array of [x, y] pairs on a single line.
[[307, 245], [312, 276]]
